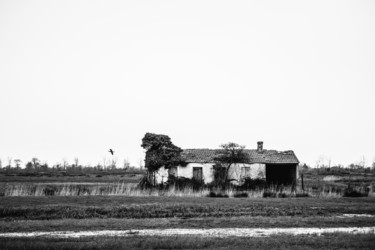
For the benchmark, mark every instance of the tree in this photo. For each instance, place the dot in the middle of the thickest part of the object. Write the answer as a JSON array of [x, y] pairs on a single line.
[[65, 163], [76, 161], [18, 163], [104, 163], [9, 162], [126, 164], [141, 162], [29, 166], [44, 166], [160, 151], [35, 162], [230, 153], [113, 163]]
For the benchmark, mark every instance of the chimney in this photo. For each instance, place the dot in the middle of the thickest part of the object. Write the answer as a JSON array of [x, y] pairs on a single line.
[[260, 146]]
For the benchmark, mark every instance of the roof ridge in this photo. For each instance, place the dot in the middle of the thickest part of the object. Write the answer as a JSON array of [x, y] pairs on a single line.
[[267, 156]]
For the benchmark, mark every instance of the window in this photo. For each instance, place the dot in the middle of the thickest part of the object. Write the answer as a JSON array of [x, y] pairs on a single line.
[[245, 172], [197, 173]]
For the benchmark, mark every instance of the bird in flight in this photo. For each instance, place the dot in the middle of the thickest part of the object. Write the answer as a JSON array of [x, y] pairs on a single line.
[[111, 151]]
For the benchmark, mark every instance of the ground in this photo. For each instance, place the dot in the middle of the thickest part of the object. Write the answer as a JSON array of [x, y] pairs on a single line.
[[28, 214], [114, 212]]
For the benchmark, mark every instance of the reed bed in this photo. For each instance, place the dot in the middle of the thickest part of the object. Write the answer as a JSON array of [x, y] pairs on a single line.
[[132, 189], [111, 189]]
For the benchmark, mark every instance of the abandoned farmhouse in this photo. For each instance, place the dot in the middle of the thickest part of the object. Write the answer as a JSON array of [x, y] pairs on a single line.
[[276, 167]]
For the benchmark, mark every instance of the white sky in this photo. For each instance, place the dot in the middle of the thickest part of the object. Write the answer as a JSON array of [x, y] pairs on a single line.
[[79, 77]]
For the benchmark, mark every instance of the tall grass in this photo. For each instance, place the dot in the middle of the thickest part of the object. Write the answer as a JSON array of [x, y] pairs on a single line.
[[132, 189], [119, 189]]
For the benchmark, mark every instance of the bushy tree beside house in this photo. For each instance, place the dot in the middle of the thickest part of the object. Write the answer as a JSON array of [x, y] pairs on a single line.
[[160, 151]]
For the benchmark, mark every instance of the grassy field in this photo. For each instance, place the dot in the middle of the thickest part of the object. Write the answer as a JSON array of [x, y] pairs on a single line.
[[43, 208], [338, 179], [118, 210]]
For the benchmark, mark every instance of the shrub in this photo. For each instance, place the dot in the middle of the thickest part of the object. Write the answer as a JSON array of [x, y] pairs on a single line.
[[269, 194], [50, 190], [300, 195], [182, 183], [350, 192], [252, 184], [283, 195], [213, 194], [241, 195]]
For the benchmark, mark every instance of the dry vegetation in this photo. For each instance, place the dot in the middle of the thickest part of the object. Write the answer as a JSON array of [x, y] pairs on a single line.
[[44, 208], [92, 202]]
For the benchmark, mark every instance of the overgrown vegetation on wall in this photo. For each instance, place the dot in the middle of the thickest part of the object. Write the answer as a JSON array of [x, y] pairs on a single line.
[[160, 151], [229, 154]]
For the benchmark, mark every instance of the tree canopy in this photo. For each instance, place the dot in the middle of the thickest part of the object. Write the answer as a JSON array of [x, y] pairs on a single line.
[[160, 151], [229, 154]]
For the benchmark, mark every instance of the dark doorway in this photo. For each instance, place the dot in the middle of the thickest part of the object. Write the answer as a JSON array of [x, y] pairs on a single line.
[[197, 174], [281, 174]]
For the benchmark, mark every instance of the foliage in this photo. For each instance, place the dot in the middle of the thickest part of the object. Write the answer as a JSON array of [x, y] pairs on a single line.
[[229, 154], [302, 195], [241, 195], [352, 192], [252, 184], [160, 151], [65, 169], [213, 194], [181, 183]]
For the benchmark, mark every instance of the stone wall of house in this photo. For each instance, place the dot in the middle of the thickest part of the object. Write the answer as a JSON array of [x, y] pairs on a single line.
[[187, 171], [237, 172], [240, 171]]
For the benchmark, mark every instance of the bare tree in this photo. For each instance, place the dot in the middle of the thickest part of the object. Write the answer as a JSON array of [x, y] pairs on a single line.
[[104, 163], [329, 162], [320, 162], [113, 163], [362, 163], [65, 163], [126, 164], [141, 163], [99, 166], [35, 162], [9, 162], [17, 162], [76, 161]]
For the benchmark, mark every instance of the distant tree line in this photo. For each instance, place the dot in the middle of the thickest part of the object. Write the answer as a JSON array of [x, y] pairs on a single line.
[[35, 165], [360, 168]]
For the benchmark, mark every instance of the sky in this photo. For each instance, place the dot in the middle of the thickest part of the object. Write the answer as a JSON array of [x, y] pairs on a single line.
[[80, 77]]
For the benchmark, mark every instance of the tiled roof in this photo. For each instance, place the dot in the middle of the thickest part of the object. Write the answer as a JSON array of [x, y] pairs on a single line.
[[266, 156]]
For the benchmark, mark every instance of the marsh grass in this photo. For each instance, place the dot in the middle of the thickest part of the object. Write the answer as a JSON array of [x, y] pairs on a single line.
[[106, 189], [132, 189]]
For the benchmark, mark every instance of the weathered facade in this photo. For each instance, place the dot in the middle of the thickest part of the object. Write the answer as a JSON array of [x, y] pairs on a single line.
[[277, 167]]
